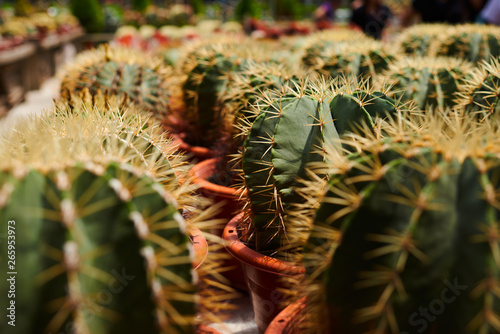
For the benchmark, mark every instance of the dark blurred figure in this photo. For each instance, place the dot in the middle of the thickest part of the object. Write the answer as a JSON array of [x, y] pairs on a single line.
[[442, 11], [372, 17], [491, 13], [325, 14]]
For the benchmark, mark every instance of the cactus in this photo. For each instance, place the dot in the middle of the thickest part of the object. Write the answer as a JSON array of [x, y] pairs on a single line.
[[293, 129], [427, 81], [120, 71], [420, 39], [480, 94], [89, 13], [101, 246], [407, 216], [363, 58], [470, 42], [319, 41]]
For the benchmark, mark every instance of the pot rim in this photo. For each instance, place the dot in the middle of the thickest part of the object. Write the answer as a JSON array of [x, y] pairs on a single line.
[[197, 151], [200, 246], [285, 317], [252, 258], [206, 168]]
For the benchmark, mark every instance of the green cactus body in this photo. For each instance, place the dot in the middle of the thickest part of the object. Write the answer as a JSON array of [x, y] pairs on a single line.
[[120, 72], [98, 248], [361, 59], [398, 261], [470, 42], [406, 237], [481, 94], [289, 135], [428, 81]]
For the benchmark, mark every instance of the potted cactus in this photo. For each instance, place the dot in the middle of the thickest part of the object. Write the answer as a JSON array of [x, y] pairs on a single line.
[[98, 223], [398, 222], [293, 129]]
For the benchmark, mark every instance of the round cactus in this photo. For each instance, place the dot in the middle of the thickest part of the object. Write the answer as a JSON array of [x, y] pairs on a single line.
[[407, 222], [470, 42], [100, 246], [481, 94], [419, 40], [293, 129], [427, 81], [319, 41], [120, 71], [359, 59]]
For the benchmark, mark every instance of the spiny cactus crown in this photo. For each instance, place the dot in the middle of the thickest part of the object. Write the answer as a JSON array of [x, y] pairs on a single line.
[[419, 40], [427, 81]]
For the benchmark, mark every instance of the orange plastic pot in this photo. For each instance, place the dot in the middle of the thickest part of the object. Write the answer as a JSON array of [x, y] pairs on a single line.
[[202, 172], [202, 329], [198, 153], [200, 247], [265, 276], [288, 320]]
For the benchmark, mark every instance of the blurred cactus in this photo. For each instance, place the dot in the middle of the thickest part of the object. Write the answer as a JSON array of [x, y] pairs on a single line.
[[89, 13], [481, 94], [470, 42], [420, 39], [120, 71], [427, 81], [317, 43], [141, 5], [358, 59]]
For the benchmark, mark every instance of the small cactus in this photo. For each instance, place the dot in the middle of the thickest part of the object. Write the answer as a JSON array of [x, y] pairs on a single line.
[[481, 93], [419, 40], [427, 81], [120, 71]]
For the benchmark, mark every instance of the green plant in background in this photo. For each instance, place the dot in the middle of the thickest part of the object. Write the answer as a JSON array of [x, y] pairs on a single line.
[[427, 81], [198, 7], [287, 9], [113, 17], [292, 130], [359, 59], [470, 42], [403, 219], [420, 39], [23, 8], [120, 71], [141, 5], [89, 13], [246, 9], [481, 94]]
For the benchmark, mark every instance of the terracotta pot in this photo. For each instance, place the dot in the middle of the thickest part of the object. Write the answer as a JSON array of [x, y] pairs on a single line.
[[200, 247], [264, 276], [202, 329], [198, 153], [202, 172], [287, 320]]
